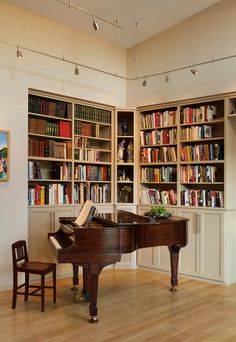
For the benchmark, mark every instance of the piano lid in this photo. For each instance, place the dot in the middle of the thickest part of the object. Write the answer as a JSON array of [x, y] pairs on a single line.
[[123, 218]]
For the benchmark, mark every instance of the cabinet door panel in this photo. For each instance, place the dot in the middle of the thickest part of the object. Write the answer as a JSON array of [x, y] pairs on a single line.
[[147, 257], [38, 227], [211, 246], [189, 255]]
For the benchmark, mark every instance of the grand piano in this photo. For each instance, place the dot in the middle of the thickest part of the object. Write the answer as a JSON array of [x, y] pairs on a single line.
[[106, 237]]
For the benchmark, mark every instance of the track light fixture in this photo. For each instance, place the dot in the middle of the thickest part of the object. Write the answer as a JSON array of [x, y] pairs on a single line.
[[167, 78], [95, 25], [76, 70], [18, 53], [193, 71], [144, 82]]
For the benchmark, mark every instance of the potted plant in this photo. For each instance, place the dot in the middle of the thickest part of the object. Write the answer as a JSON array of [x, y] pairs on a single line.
[[158, 211], [124, 193]]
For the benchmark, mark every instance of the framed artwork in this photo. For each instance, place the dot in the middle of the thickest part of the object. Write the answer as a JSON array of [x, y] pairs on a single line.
[[4, 155]]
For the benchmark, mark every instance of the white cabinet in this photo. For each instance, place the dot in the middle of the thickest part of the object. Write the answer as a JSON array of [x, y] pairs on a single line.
[[203, 256], [43, 220], [154, 257]]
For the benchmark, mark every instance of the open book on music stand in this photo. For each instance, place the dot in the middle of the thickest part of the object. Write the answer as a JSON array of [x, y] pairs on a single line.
[[85, 214]]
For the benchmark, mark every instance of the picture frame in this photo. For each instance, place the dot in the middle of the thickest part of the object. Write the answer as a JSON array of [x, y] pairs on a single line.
[[4, 155]]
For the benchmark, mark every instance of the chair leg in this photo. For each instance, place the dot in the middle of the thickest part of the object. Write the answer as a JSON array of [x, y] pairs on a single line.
[[42, 292], [54, 286], [26, 286], [14, 293]]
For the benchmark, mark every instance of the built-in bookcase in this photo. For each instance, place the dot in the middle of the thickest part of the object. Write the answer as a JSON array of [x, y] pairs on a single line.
[[182, 153], [158, 156], [70, 151]]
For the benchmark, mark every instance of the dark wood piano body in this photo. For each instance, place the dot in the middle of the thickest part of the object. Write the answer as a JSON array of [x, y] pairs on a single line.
[[107, 237]]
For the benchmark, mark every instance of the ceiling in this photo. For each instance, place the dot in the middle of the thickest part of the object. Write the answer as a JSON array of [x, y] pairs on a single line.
[[141, 19]]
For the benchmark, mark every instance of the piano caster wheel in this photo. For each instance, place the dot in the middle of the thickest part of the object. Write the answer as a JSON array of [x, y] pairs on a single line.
[[93, 319], [173, 289], [74, 288]]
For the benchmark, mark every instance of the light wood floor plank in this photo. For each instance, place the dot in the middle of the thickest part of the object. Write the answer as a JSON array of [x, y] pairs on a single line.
[[133, 305]]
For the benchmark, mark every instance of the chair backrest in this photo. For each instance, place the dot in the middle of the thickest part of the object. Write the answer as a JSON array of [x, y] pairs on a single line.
[[19, 252]]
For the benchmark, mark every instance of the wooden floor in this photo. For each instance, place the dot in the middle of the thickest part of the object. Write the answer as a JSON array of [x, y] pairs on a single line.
[[133, 305]]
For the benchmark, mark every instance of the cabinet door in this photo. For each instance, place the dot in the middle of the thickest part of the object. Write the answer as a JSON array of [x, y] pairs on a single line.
[[212, 245], [188, 259], [39, 224], [163, 254]]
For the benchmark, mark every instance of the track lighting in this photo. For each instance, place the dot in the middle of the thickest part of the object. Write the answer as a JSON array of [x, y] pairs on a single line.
[[95, 25], [76, 70], [144, 83], [193, 71], [18, 53]]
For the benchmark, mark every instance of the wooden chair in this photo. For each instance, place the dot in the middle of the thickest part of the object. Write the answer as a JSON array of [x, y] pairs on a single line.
[[21, 263]]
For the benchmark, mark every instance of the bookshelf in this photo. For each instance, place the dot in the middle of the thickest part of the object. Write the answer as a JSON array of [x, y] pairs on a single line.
[[158, 156], [202, 154], [92, 154], [125, 173], [49, 151], [69, 151]]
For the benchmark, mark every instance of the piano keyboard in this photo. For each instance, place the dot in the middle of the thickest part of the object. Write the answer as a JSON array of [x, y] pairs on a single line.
[[62, 242]]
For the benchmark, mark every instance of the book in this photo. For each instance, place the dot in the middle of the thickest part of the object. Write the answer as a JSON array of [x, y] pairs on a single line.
[[85, 213]]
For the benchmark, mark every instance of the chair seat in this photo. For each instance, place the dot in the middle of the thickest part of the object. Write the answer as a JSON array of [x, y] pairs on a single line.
[[35, 267]]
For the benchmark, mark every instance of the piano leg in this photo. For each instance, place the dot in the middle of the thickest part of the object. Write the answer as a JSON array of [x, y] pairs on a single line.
[[93, 274], [174, 259], [75, 277]]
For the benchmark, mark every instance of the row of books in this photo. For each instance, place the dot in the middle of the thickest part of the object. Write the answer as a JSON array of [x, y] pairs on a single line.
[[202, 198], [202, 152], [49, 148], [56, 171], [92, 173], [85, 128], [98, 193], [41, 126], [55, 108], [198, 114], [158, 119], [200, 173], [156, 137], [154, 196], [87, 154], [51, 194], [163, 154], [92, 114], [160, 174], [196, 132]]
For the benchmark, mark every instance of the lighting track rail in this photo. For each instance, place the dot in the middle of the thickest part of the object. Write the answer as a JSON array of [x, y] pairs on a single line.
[[192, 68]]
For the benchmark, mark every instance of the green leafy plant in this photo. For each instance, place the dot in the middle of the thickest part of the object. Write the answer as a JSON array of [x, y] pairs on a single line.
[[158, 210], [126, 188]]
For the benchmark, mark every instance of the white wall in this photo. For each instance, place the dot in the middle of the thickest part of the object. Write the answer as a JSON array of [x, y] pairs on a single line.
[[210, 34], [38, 72]]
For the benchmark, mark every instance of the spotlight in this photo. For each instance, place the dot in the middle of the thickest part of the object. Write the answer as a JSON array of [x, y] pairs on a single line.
[[167, 79], [95, 25], [193, 71], [76, 70], [18, 53], [144, 83]]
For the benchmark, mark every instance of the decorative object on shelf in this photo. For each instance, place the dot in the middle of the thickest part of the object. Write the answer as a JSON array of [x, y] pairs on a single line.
[[124, 127], [121, 151], [158, 211], [130, 152], [122, 176], [124, 193], [4, 155]]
